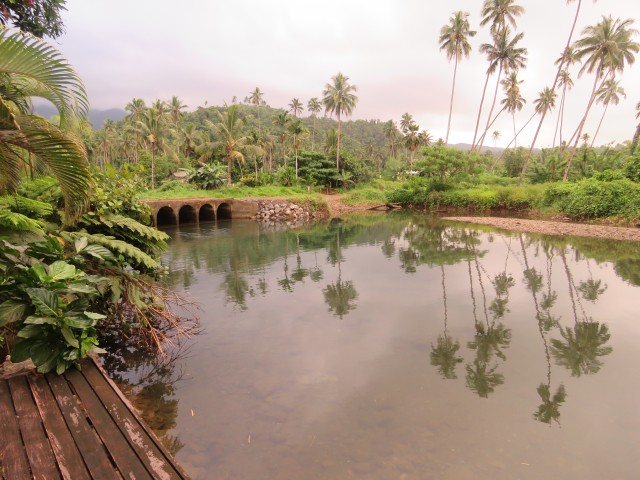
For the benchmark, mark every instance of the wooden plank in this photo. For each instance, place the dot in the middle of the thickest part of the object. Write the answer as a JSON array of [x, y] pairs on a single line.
[[70, 461], [36, 443], [154, 459], [117, 444], [87, 441], [13, 459]]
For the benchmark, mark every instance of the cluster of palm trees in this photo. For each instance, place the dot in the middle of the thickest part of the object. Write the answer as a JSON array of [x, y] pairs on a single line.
[[408, 136], [604, 49]]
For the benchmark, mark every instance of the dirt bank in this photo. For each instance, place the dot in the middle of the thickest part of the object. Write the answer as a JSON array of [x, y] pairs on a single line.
[[555, 228]]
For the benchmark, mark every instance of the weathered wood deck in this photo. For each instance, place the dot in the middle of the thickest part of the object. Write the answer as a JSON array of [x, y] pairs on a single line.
[[76, 426]]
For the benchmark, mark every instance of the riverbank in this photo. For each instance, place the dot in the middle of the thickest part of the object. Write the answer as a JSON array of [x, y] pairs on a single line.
[[555, 228], [547, 227]]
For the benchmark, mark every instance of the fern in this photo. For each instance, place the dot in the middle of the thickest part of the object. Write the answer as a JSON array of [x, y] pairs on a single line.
[[150, 233], [131, 253], [25, 205], [18, 222]]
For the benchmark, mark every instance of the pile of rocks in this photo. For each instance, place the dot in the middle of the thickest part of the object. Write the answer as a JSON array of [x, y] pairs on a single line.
[[283, 211]]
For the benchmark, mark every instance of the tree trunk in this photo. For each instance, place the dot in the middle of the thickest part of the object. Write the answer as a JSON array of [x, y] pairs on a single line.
[[338, 149], [493, 104], [606, 106], [582, 123], [555, 81], [153, 166], [453, 88], [484, 91]]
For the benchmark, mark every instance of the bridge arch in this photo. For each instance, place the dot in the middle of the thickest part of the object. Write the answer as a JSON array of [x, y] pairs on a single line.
[[224, 211], [187, 214], [206, 213], [166, 216]]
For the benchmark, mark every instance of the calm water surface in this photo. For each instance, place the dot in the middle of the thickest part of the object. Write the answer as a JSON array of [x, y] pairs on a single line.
[[398, 347]]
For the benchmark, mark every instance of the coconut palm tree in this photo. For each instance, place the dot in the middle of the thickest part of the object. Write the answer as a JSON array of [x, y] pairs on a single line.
[[544, 103], [608, 93], [281, 120], [154, 130], [606, 48], [229, 129], [454, 40], [566, 83], [339, 98], [498, 13], [255, 98], [136, 109], [295, 107], [513, 101], [392, 134], [29, 67], [175, 107], [504, 55], [412, 141], [314, 107], [297, 131], [496, 136]]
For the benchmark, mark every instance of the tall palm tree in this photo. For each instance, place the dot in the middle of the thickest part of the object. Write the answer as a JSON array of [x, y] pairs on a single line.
[[297, 131], [544, 103], [566, 83], [153, 127], [391, 133], [513, 101], [504, 55], [255, 97], [339, 98], [498, 13], [412, 141], [281, 120], [314, 107], [405, 122], [175, 107], [608, 93], [454, 40], [606, 49], [295, 107], [496, 136], [565, 60], [136, 109], [29, 67], [229, 129]]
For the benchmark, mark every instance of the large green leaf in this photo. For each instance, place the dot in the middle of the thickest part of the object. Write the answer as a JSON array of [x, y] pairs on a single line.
[[11, 311], [44, 300], [69, 337], [61, 270]]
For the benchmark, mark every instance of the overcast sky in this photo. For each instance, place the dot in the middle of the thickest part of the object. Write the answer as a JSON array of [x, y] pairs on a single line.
[[213, 50]]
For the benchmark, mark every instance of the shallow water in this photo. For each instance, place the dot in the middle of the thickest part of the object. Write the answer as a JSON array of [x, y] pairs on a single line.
[[398, 346]]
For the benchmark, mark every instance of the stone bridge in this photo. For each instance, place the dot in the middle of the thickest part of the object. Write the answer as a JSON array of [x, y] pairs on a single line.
[[180, 211]]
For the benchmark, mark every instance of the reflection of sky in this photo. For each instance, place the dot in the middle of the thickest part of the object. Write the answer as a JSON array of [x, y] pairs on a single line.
[[285, 389]]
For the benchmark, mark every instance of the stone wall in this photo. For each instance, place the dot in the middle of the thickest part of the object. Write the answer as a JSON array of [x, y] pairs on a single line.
[[284, 211]]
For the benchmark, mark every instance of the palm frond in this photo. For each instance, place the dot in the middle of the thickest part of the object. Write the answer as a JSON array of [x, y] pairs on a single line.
[[64, 154], [29, 57]]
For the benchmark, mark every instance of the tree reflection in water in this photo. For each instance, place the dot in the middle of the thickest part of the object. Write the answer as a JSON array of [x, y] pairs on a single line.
[[444, 354], [148, 380]]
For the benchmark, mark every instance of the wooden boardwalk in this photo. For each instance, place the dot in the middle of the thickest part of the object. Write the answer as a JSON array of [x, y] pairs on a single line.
[[76, 426]]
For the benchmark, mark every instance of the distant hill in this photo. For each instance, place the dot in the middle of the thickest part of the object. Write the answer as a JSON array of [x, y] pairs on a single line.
[[467, 146], [96, 117]]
